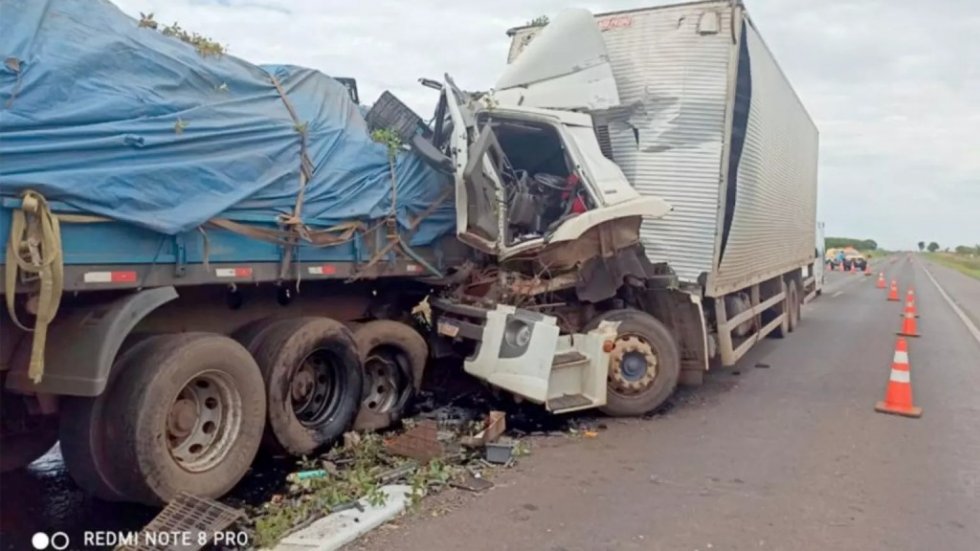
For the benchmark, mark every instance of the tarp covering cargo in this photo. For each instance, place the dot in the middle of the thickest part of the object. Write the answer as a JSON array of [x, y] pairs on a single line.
[[115, 119]]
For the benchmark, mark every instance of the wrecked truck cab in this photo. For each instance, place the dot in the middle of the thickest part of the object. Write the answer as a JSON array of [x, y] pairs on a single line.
[[529, 177]]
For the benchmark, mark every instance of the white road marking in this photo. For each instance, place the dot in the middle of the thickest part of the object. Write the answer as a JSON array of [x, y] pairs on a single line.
[[837, 294], [959, 312]]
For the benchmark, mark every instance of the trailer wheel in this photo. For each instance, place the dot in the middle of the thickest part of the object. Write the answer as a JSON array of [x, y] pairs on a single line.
[[644, 365], [393, 355], [252, 334], [313, 383], [82, 432], [189, 418]]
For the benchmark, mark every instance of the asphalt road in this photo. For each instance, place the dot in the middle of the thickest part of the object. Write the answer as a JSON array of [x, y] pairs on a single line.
[[792, 456], [789, 456]]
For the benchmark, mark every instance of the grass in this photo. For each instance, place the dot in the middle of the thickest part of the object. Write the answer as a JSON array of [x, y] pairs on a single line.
[[962, 263]]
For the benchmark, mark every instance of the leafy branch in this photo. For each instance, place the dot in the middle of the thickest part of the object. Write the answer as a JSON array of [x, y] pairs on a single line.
[[204, 45]]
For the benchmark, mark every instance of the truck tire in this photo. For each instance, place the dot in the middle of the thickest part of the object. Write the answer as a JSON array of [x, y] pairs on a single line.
[[82, 432], [20, 450], [644, 365], [252, 333], [189, 418], [393, 355], [313, 381], [793, 305]]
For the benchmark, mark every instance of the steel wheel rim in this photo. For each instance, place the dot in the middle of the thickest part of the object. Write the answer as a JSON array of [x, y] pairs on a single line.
[[383, 382], [314, 388], [203, 421], [633, 365]]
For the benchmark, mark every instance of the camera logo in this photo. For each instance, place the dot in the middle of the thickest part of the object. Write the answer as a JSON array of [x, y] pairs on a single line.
[[57, 541]]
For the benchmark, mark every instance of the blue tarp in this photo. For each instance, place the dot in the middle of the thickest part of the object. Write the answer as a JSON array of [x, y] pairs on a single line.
[[119, 120]]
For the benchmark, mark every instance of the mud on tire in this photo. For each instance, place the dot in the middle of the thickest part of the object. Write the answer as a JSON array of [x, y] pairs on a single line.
[[313, 381], [638, 385], [189, 417], [393, 355]]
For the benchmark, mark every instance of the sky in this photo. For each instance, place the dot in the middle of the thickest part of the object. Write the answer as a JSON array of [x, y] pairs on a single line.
[[893, 85]]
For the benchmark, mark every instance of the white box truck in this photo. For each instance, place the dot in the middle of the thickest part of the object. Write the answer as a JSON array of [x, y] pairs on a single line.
[[682, 105]]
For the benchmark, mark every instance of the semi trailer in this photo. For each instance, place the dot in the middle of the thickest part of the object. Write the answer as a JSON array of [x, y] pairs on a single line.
[[198, 272]]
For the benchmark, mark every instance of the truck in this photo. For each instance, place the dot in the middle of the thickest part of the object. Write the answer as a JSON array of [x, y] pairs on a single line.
[[683, 103], [597, 229]]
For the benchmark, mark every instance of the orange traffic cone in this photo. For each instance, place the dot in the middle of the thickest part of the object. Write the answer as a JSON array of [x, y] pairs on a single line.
[[853, 268], [910, 305], [893, 292], [898, 395], [881, 281], [908, 326]]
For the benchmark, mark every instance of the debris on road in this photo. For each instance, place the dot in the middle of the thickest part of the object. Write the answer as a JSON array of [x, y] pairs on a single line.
[[187, 514], [471, 483], [494, 427], [421, 442], [500, 452]]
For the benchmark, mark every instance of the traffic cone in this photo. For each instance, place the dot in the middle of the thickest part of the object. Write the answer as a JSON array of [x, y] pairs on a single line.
[[853, 268], [867, 269], [881, 281], [910, 305], [908, 326], [893, 292], [898, 395]]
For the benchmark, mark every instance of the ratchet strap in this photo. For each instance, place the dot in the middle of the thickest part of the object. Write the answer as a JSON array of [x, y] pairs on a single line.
[[34, 254]]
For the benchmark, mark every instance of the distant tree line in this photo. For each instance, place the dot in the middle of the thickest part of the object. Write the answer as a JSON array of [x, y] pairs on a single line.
[[968, 250], [860, 244]]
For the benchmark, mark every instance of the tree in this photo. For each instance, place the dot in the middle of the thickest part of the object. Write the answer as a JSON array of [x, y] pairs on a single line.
[[922, 245], [964, 249], [933, 247]]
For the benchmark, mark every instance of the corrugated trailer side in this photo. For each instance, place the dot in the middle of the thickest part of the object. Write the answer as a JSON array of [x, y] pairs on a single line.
[[685, 117], [772, 197]]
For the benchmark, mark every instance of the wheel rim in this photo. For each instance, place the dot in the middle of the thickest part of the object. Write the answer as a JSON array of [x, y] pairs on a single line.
[[314, 388], [203, 421], [383, 382], [632, 365]]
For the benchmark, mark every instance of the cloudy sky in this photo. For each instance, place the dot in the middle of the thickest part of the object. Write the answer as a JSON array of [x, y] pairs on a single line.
[[893, 85]]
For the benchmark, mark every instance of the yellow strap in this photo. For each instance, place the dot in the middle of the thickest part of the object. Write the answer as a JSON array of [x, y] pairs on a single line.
[[34, 250]]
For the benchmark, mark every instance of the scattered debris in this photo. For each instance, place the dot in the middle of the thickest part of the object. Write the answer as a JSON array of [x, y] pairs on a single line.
[[761, 365], [494, 427], [500, 452], [421, 442], [471, 483], [306, 475], [200, 517], [590, 434]]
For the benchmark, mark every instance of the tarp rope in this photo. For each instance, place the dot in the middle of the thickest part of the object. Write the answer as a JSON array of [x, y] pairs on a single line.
[[34, 254]]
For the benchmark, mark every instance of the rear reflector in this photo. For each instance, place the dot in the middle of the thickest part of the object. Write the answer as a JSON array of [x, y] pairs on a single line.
[[233, 272], [110, 277], [326, 269]]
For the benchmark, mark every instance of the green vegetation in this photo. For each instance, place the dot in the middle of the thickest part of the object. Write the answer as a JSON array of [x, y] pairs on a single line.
[[356, 470], [539, 21], [966, 260], [859, 244], [389, 138], [204, 45]]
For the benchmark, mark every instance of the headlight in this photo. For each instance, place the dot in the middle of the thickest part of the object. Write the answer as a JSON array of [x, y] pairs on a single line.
[[517, 333]]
